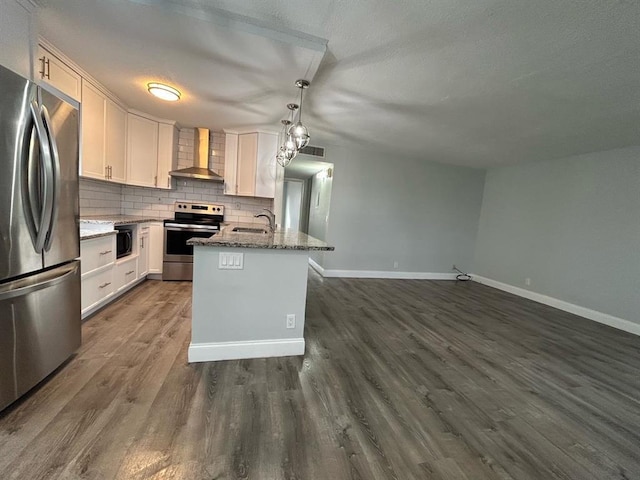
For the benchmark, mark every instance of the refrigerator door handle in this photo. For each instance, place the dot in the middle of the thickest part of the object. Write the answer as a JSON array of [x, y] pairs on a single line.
[[54, 159], [41, 281], [47, 185]]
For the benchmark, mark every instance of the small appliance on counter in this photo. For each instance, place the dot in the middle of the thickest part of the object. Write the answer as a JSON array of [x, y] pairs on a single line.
[[39, 243], [190, 220]]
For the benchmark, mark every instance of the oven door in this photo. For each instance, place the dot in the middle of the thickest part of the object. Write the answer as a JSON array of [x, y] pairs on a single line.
[[175, 240]]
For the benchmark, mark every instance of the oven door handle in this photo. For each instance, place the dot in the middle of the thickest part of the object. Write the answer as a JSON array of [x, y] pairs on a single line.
[[181, 227]]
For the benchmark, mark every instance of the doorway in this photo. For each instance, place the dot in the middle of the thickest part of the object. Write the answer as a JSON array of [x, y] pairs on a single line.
[[306, 196]]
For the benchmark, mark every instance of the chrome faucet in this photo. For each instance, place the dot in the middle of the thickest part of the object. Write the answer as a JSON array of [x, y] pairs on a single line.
[[270, 216]]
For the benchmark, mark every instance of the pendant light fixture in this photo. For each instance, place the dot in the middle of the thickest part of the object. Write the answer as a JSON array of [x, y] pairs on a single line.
[[298, 131], [294, 136], [290, 142], [284, 156]]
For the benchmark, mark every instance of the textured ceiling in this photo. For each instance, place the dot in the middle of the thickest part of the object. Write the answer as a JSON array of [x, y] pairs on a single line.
[[476, 83]]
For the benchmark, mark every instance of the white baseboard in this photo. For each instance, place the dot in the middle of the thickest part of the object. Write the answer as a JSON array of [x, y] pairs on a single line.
[[380, 273], [386, 274], [316, 266], [606, 319], [211, 352]]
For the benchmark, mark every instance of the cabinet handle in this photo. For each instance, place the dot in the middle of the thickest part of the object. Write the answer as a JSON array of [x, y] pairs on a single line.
[[106, 252], [104, 285], [130, 272], [168, 182], [155, 180], [46, 69], [106, 172], [110, 172], [141, 242]]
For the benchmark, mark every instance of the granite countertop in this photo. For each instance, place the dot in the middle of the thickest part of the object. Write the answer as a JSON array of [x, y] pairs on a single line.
[[281, 239], [89, 234], [118, 219]]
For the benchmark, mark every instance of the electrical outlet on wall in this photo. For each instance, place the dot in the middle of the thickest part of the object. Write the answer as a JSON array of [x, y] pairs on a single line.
[[291, 320], [527, 281], [238, 205], [395, 264]]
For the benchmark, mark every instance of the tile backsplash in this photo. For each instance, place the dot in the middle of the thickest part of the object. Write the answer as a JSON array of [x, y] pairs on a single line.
[[102, 198]]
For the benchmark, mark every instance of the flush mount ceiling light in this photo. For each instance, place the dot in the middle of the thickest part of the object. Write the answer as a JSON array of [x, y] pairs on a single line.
[[164, 92]]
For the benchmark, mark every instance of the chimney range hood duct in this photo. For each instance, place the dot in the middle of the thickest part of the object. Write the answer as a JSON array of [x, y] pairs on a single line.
[[200, 168]]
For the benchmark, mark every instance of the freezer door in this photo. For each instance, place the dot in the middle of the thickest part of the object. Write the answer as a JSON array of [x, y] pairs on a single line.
[[39, 327], [21, 185], [62, 241]]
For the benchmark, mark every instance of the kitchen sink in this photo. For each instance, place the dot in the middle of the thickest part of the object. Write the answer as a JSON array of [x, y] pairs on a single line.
[[248, 230]]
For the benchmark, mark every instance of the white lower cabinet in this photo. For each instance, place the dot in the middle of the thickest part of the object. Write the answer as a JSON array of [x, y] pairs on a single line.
[[97, 252], [143, 257], [156, 248], [97, 287], [104, 278], [126, 272]]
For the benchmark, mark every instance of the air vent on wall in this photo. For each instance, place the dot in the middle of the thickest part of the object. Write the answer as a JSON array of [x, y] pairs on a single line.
[[312, 151]]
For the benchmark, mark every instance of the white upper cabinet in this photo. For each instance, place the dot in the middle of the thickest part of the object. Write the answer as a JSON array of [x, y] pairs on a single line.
[[104, 133], [115, 141], [230, 163], [15, 37], [142, 151], [152, 151], [266, 165], [51, 70], [93, 107], [167, 153], [250, 164], [246, 170]]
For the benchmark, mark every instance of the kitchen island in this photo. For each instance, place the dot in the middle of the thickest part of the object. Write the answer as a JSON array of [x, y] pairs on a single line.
[[249, 294]]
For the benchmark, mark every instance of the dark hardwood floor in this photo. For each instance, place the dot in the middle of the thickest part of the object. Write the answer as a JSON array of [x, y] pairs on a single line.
[[401, 380]]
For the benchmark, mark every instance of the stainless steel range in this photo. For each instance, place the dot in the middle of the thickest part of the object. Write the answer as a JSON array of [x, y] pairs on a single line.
[[190, 220]]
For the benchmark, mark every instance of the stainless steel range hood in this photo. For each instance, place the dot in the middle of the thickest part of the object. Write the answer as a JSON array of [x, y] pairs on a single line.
[[200, 169]]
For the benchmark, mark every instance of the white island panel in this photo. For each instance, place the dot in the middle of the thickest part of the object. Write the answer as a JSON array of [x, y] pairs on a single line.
[[243, 313]]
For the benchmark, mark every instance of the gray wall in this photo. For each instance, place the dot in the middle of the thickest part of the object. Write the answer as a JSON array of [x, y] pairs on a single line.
[[572, 226], [384, 209]]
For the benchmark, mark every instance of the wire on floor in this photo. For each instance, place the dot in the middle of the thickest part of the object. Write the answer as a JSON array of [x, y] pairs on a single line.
[[462, 276]]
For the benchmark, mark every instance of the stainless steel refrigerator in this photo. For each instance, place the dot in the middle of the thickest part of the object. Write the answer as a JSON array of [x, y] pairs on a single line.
[[40, 324]]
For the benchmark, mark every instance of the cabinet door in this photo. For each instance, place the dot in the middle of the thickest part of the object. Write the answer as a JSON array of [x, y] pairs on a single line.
[[53, 71], [246, 170], [142, 151], [115, 153], [143, 258], [167, 153], [266, 165], [156, 247], [230, 163], [93, 132], [125, 273]]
